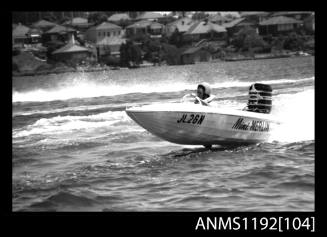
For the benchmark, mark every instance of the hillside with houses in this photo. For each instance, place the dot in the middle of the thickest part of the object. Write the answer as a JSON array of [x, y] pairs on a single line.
[[53, 42]]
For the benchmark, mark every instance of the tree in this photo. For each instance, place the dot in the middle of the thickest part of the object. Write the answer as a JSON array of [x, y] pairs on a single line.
[[166, 20], [51, 47], [277, 43], [247, 39], [253, 40], [50, 17], [135, 55], [152, 48], [124, 22], [293, 42], [123, 55], [97, 17], [140, 37], [230, 16], [110, 60], [176, 38], [130, 54], [171, 54], [199, 16], [64, 20]]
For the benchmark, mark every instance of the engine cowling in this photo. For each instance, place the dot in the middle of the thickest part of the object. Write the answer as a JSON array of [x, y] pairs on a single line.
[[260, 98]]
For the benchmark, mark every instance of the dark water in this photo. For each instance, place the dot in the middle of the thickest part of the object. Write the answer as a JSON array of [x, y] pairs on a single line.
[[75, 149]]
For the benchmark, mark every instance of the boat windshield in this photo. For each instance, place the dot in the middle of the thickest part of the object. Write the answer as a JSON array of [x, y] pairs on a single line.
[[188, 98], [191, 98]]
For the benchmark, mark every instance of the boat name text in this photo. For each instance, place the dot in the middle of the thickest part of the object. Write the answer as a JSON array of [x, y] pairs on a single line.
[[191, 118], [252, 125]]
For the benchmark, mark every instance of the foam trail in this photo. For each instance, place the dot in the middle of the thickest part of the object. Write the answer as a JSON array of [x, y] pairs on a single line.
[[67, 124], [296, 112], [86, 89]]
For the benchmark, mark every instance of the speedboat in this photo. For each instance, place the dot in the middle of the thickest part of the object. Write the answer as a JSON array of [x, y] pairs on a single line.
[[196, 124]]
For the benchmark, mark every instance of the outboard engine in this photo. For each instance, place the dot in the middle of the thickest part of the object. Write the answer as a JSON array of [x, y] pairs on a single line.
[[260, 98]]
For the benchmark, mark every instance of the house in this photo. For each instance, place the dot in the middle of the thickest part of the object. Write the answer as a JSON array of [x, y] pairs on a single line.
[[309, 23], [165, 13], [238, 24], [58, 32], [150, 16], [119, 17], [218, 19], [26, 62], [232, 15], [43, 25], [79, 23], [105, 29], [35, 36], [19, 35], [71, 53], [298, 15], [194, 55], [110, 45], [278, 25], [205, 30], [255, 16], [76, 21], [139, 27], [181, 25], [154, 29]]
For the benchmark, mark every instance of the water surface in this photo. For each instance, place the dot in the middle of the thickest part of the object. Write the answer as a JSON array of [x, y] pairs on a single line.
[[75, 149]]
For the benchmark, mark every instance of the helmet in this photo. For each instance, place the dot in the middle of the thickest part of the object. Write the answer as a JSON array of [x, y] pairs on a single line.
[[207, 88]]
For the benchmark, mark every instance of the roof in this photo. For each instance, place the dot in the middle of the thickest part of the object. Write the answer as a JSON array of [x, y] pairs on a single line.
[[119, 16], [217, 17], [156, 25], [192, 50], [234, 14], [43, 23], [79, 20], [211, 13], [60, 29], [291, 13], [244, 14], [182, 24], [167, 13], [70, 48], [246, 23], [233, 23], [279, 20], [179, 21], [107, 26], [185, 27], [111, 41], [35, 32], [150, 15], [202, 28], [20, 31], [140, 24]]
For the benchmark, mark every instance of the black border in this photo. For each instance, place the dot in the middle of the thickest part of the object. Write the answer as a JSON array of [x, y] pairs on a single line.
[[109, 223]]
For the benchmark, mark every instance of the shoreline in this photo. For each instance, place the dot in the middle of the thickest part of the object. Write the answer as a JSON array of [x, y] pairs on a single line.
[[108, 68]]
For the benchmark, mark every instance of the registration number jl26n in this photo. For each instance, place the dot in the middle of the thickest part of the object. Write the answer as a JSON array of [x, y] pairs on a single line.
[[191, 118]]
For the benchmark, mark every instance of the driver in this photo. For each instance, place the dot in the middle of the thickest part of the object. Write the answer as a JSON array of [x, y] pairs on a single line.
[[204, 94]]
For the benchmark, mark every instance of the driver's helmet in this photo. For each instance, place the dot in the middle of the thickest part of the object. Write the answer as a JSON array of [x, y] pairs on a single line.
[[206, 87]]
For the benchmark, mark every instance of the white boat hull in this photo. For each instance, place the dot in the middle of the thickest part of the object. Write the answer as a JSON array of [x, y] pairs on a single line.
[[202, 125]]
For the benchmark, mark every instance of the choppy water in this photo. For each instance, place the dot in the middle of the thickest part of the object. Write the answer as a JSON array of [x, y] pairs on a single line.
[[75, 149]]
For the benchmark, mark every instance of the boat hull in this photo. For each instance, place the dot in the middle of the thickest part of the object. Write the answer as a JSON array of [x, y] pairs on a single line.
[[202, 126]]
